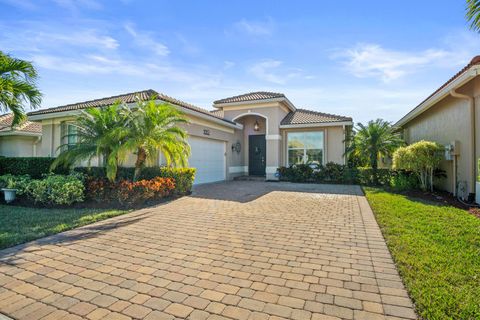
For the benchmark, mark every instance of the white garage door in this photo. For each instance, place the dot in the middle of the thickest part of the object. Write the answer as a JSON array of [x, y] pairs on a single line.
[[208, 157]]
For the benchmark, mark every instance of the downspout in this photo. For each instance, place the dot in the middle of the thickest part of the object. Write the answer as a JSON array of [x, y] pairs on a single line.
[[344, 145], [35, 145], [471, 102]]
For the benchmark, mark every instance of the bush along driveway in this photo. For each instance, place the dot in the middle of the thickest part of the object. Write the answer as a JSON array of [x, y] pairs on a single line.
[[437, 251], [231, 250]]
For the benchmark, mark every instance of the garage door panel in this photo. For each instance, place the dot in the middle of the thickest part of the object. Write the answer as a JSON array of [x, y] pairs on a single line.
[[208, 157]]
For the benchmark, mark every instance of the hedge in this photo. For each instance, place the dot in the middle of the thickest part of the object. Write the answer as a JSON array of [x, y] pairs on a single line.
[[35, 167], [183, 177], [337, 173]]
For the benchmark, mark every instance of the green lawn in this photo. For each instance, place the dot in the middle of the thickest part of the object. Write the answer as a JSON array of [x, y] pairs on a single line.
[[437, 250], [21, 224]]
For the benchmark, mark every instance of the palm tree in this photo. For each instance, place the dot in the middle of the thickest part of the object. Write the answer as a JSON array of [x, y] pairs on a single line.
[[99, 133], [17, 86], [375, 140], [473, 14], [153, 127]]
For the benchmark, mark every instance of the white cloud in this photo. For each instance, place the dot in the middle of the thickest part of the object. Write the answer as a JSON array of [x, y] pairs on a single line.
[[264, 71], [256, 28], [40, 38], [372, 60], [146, 40], [26, 4], [270, 70], [228, 65], [75, 5]]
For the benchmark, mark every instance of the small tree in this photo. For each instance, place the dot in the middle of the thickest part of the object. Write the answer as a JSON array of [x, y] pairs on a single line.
[[368, 143], [422, 158], [18, 87], [152, 127], [99, 133]]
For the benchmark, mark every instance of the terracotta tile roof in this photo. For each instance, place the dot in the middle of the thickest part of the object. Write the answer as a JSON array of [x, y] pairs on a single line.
[[217, 113], [252, 96], [27, 126], [302, 116], [125, 98], [473, 62]]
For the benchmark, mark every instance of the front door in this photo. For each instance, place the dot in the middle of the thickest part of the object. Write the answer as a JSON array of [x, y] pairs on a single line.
[[257, 147]]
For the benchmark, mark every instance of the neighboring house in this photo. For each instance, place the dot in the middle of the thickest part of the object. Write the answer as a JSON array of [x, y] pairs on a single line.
[[451, 117], [250, 134], [19, 141]]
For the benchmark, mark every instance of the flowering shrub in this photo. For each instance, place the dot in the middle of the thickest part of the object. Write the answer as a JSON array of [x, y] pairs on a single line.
[[56, 189], [128, 192], [183, 177]]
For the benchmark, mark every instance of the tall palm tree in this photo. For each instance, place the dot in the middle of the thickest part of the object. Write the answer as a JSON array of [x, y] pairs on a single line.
[[17, 86], [99, 133], [375, 140], [473, 14], [153, 127]]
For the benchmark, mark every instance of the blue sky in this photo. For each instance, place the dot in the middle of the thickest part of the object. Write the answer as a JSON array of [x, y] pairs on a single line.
[[365, 59]]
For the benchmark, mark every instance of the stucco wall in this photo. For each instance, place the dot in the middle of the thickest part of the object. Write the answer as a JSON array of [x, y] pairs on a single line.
[[51, 140], [445, 122], [17, 146]]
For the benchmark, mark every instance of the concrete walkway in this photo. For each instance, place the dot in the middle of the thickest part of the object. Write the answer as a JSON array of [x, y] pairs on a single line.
[[236, 250]]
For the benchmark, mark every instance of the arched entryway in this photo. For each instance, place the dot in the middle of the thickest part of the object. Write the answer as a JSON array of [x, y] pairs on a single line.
[[255, 129]]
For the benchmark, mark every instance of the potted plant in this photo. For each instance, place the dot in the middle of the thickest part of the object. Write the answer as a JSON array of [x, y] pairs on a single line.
[[9, 192]]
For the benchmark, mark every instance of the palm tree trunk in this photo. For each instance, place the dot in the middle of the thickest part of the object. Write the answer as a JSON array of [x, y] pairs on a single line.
[[139, 163], [374, 164]]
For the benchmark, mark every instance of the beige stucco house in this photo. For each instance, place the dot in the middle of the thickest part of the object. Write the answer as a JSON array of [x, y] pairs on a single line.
[[250, 134], [19, 141], [451, 117]]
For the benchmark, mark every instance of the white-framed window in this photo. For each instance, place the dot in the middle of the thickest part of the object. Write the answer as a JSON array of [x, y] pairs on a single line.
[[305, 147]]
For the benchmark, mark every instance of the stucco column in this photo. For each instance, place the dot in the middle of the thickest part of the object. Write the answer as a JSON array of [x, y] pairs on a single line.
[[273, 156]]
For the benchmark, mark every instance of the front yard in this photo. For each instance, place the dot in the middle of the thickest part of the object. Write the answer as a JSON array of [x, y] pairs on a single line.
[[437, 251], [21, 224]]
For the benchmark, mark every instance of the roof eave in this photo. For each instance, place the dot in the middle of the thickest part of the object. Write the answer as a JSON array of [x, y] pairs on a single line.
[[71, 113], [465, 77], [20, 133], [317, 124]]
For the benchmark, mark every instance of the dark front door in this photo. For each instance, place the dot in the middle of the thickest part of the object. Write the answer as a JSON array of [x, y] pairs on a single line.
[[257, 155]]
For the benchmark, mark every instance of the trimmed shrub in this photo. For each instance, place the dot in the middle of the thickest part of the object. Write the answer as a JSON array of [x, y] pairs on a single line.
[[329, 173], [56, 190], [366, 176], [403, 181], [422, 158], [338, 173], [183, 177], [15, 182], [127, 192], [35, 167]]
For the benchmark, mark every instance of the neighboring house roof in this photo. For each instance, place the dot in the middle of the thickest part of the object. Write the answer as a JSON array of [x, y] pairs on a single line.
[[252, 96], [125, 98], [302, 116], [26, 128], [474, 62]]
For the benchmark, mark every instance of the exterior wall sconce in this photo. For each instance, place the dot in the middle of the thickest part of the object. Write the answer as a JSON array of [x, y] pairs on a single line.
[[236, 147], [256, 126]]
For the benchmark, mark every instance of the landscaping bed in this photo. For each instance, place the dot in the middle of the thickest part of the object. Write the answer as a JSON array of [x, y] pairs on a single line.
[[436, 247], [20, 224]]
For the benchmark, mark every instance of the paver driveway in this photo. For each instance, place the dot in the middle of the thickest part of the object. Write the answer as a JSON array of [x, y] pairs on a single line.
[[239, 250]]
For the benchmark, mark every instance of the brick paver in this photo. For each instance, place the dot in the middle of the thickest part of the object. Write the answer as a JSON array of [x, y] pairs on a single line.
[[236, 250]]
